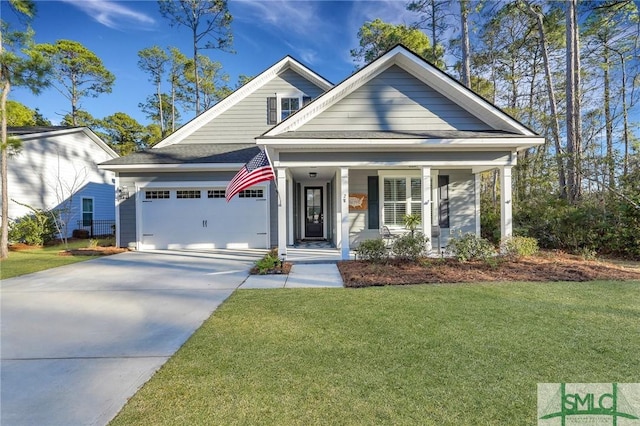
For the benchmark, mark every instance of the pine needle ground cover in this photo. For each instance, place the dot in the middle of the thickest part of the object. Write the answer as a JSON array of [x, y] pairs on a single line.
[[428, 354]]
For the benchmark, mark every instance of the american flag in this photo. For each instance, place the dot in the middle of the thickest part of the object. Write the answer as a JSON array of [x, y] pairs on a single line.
[[255, 171]]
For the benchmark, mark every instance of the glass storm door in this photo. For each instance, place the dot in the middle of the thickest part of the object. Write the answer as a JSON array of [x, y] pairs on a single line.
[[313, 213]]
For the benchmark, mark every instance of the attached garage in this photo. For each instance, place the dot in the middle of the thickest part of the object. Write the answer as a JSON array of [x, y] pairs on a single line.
[[192, 217]]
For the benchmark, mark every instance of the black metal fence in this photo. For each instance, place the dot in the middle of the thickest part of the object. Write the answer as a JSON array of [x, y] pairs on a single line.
[[98, 228]]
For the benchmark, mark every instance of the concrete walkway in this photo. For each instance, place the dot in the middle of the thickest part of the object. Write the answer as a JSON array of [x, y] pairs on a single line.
[[79, 340], [302, 275]]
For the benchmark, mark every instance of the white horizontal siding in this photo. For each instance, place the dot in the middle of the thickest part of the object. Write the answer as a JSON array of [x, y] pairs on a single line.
[[395, 100], [47, 170], [248, 118]]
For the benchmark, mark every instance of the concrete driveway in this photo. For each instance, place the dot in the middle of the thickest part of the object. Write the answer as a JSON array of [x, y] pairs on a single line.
[[79, 340]]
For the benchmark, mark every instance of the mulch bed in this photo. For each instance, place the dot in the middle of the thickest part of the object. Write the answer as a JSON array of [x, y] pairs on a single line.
[[93, 251], [544, 267]]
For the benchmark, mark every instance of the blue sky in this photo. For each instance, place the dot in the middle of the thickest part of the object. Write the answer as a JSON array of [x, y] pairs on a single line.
[[320, 34]]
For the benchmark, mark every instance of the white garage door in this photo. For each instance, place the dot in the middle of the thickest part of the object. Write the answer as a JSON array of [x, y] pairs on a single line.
[[197, 218]]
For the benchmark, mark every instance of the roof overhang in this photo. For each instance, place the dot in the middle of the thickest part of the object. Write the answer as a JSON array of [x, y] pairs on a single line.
[[188, 167], [66, 131], [467, 144]]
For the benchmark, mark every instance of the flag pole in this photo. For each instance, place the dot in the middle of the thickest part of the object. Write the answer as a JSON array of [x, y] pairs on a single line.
[[275, 177]]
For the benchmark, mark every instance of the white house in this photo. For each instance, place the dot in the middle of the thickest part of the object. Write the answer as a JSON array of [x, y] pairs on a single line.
[[397, 137], [57, 168]]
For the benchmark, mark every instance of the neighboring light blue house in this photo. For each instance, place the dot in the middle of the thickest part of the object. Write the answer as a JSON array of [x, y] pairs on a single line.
[[56, 168], [397, 137]]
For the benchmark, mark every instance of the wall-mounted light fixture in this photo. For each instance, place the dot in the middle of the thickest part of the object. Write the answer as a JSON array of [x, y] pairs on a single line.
[[312, 175], [122, 193]]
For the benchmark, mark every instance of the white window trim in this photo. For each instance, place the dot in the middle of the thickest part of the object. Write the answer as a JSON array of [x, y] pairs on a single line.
[[402, 174], [93, 209], [279, 96]]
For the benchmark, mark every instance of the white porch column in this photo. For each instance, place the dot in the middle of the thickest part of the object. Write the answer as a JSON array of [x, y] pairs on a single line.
[[426, 205], [290, 221], [506, 219], [344, 213], [476, 189], [282, 212]]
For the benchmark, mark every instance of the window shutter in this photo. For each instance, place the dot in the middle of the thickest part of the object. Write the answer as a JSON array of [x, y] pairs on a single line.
[[443, 206], [306, 100], [374, 203], [272, 110]]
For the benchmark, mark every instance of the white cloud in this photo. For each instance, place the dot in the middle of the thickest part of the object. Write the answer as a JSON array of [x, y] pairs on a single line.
[[112, 14], [294, 18]]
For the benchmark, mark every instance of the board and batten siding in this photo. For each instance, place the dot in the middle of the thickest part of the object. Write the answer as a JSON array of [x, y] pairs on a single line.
[[462, 218], [127, 225], [47, 168], [395, 101], [359, 220], [248, 118]]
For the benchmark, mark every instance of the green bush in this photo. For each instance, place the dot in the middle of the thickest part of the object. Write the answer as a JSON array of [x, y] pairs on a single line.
[[411, 246], [468, 246], [269, 262], [519, 246], [35, 229], [374, 250]]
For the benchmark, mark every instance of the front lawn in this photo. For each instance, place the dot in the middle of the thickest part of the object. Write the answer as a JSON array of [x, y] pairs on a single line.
[[37, 259], [428, 354]]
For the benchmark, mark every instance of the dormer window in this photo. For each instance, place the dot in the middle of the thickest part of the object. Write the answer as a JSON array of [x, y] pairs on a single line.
[[282, 106], [288, 106]]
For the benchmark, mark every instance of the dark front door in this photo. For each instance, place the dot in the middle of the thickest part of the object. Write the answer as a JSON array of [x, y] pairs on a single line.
[[313, 212]]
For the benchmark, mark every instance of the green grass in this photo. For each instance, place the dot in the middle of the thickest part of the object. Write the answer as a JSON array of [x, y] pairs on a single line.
[[38, 259], [433, 354]]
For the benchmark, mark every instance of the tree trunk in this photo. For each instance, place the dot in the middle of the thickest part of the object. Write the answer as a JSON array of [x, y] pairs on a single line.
[[608, 124], [553, 105], [625, 118], [195, 71], [573, 104], [466, 49], [160, 112], [4, 238]]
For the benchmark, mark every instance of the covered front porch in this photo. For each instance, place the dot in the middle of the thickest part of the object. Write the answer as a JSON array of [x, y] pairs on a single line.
[[341, 205]]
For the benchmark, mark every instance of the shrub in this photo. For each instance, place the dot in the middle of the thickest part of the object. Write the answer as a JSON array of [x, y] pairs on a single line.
[[82, 234], [374, 250], [519, 246], [411, 222], [410, 246], [468, 246], [269, 262], [34, 229]]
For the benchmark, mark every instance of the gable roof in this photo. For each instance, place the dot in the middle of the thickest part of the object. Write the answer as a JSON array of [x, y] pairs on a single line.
[[257, 82], [38, 132], [423, 71]]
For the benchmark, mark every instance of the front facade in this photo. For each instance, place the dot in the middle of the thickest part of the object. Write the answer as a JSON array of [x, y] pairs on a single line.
[[56, 168], [398, 137]]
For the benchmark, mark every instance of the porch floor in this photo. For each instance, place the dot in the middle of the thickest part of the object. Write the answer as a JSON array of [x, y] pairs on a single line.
[[314, 252]]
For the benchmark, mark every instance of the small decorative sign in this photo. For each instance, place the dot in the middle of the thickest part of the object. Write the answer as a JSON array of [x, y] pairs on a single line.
[[357, 202]]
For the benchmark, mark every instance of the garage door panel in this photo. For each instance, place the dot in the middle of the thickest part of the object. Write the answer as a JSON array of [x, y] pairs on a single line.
[[201, 223]]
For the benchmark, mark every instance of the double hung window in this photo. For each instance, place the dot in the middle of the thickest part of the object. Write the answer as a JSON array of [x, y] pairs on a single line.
[[401, 196]]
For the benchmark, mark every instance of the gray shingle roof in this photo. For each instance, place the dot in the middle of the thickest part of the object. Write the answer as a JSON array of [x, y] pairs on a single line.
[[190, 154], [27, 130], [433, 134]]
